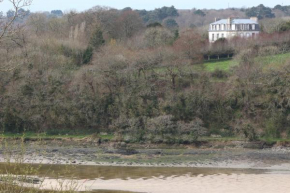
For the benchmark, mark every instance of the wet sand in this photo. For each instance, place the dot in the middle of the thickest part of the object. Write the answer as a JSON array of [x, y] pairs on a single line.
[[218, 183]]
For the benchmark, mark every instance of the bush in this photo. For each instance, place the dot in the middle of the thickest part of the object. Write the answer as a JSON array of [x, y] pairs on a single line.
[[162, 129], [247, 131], [268, 51], [219, 74], [88, 54]]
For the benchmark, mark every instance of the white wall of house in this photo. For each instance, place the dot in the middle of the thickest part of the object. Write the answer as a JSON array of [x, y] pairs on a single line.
[[214, 36], [227, 28]]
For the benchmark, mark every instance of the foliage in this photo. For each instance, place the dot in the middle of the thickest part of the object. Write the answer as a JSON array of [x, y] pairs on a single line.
[[285, 9], [57, 13], [285, 26], [158, 15], [189, 45], [171, 24], [88, 54], [162, 129], [97, 39], [260, 11], [158, 37], [155, 24], [144, 84], [200, 13]]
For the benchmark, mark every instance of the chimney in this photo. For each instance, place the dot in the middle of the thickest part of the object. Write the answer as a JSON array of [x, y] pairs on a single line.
[[254, 19], [216, 19], [230, 20]]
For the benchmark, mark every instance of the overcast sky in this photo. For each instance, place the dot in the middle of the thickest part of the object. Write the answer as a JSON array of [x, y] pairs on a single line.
[[80, 5]]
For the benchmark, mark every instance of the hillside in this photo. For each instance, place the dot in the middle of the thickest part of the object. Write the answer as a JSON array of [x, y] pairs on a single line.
[[106, 70]]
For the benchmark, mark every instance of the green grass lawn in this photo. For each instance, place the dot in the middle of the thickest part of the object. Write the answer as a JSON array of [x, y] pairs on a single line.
[[270, 62], [274, 61], [208, 66], [224, 65]]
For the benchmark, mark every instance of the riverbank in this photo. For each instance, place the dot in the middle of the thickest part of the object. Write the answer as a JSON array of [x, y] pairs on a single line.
[[214, 154]]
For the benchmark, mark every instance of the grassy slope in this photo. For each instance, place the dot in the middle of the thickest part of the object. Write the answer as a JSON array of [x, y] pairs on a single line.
[[224, 65], [270, 62]]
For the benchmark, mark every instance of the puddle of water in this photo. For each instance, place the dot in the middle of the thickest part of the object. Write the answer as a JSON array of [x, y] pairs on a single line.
[[115, 172]]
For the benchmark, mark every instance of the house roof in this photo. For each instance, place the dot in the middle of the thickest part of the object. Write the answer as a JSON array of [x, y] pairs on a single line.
[[236, 21]]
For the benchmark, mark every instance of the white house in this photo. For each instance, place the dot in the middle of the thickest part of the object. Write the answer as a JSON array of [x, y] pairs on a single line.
[[228, 28]]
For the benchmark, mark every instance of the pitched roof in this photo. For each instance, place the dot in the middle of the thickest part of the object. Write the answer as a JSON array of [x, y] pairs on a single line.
[[236, 21]]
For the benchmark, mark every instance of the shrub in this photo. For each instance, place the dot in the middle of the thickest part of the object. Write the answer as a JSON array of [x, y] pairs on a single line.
[[88, 54], [219, 74], [162, 129], [268, 51]]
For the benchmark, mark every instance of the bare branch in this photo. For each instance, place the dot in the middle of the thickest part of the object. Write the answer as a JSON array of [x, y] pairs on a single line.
[[7, 28]]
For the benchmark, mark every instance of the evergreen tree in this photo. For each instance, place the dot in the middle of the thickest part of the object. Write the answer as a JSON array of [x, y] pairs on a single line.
[[97, 39], [260, 11], [171, 24], [200, 13]]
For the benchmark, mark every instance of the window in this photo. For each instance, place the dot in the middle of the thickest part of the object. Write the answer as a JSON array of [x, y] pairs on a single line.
[[223, 36], [212, 37], [217, 36], [233, 27], [253, 35], [253, 27]]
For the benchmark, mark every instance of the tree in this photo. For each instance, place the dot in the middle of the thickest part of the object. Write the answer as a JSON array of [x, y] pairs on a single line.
[[200, 13], [97, 39], [129, 24], [155, 37], [165, 12], [155, 24], [285, 26], [10, 13], [190, 44], [6, 24], [23, 13], [171, 24], [57, 13], [260, 11], [37, 22], [7, 27], [158, 15], [127, 9]]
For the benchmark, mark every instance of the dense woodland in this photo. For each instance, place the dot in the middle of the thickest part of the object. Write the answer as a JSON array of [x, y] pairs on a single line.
[[140, 75]]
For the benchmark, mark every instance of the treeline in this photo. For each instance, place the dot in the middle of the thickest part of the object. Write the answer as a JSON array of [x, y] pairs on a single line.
[[170, 16], [105, 70]]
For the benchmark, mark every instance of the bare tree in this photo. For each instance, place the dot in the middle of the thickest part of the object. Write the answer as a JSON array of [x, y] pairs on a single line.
[[8, 29], [190, 45]]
